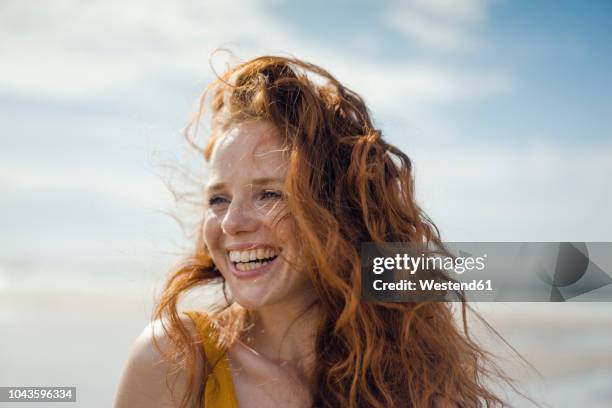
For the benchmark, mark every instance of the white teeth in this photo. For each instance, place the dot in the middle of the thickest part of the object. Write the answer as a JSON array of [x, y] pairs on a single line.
[[252, 255]]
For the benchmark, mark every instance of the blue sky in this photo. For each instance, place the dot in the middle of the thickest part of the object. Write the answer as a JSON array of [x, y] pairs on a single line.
[[503, 105]]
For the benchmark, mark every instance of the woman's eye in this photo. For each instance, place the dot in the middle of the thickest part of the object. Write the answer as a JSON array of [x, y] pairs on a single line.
[[216, 200], [271, 194]]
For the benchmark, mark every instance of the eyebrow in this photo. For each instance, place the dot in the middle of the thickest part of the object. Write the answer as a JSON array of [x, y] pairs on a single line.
[[256, 182]]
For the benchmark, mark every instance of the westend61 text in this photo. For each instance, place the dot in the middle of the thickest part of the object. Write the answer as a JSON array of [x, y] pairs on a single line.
[[430, 284]]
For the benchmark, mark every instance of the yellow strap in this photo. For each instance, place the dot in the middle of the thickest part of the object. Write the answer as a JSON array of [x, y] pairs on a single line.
[[219, 386]]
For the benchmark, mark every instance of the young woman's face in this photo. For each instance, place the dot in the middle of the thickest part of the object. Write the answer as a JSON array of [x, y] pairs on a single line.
[[247, 224]]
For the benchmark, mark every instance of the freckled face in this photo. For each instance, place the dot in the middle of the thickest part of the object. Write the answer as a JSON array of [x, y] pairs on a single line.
[[246, 215]]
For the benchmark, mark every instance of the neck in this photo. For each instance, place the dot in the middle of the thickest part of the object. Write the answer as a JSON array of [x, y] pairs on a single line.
[[284, 333]]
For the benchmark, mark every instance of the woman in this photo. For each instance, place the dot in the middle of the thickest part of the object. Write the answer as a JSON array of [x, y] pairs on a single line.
[[298, 179]]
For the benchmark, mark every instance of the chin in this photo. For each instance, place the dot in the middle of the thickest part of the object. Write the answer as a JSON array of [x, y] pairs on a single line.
[[251, 301], [250, 294]]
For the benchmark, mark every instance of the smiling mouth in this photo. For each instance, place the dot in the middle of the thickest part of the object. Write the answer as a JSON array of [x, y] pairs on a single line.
[[247, 266], [255, 258]]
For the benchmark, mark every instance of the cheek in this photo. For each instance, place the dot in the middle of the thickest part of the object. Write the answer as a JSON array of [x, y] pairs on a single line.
[[211, 232], [281, 224], [287, 235]]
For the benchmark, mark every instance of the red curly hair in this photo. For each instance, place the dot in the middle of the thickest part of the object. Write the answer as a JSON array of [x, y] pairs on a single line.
[[345, 185]]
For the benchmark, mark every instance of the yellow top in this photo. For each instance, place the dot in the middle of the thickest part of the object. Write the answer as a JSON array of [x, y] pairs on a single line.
[[218, 385]]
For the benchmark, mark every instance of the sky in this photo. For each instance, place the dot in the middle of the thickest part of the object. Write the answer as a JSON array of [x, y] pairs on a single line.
[[504, 107]]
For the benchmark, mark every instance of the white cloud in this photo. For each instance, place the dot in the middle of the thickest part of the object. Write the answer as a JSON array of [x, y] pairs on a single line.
[[118, 185], [468, 11], [440, 24], [416, 87], [75, 50], [537, 192]]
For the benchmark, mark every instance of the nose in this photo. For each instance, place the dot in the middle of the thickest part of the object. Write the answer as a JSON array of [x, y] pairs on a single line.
[[239, 218]]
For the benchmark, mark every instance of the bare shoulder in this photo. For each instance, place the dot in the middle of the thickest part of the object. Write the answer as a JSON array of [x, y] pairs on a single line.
[[146, 374]]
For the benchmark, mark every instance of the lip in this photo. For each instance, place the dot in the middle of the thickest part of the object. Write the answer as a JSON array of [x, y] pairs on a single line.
[[253, 273]]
